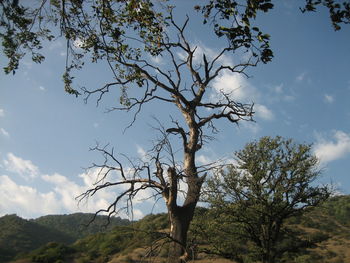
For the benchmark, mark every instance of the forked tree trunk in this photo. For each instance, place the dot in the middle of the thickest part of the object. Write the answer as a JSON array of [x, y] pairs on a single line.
[[181, 216]]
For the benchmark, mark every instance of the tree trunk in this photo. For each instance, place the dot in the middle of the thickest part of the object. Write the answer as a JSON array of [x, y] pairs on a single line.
[[180, 220], [181, 216]]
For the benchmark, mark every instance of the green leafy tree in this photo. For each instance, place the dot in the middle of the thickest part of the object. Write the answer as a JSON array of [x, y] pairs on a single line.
[[126, 34], [273, 180]]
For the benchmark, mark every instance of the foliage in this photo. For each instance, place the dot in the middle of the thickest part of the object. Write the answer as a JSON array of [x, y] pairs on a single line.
[[24, 28], [19, 236], [124, 239], [339, 208], [79, 225], [271, 182], [52, 253]]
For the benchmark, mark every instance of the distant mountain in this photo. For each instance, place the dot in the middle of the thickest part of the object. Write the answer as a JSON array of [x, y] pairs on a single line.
[[19, 236], [79, 225]]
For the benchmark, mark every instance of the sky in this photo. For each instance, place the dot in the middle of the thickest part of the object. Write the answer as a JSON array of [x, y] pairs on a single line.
[[46, 134]]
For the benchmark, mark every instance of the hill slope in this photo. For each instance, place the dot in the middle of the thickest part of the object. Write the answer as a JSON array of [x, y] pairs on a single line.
[[19, 236], [79, 225]]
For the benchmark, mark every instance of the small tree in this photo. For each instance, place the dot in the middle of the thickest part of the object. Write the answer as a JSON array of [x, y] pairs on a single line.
[[271, 182]]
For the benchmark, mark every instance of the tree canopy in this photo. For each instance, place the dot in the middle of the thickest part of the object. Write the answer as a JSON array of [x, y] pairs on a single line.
[[272, 181]]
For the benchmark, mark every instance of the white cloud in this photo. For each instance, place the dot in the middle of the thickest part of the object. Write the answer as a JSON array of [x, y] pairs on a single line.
[[20, 166], [253, 127], [56, 45], [328, 98], [330, 150], [42, 88], [238, 88], [28, 202], [24, 200], [301, 77], [210, 54], [66, 192], [235, 85], [279, 93], [78, 43], [278, 89], [142, 153], [263, 112], [157, 59], [203, 160], [28, 64], [2, 113], [4, 132]]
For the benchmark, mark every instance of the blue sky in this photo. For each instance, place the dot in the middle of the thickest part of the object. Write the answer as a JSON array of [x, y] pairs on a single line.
[[45, 134]]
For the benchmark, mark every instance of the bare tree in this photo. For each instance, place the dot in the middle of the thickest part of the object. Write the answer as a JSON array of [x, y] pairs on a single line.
[[199, 111]]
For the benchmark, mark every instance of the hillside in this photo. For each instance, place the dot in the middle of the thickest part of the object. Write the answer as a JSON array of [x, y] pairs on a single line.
[[19, 236], [79, 225], [327, 228]]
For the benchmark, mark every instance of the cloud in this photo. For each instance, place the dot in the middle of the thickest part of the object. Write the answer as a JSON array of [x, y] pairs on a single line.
[[2, 113], [66, 191], [157, 59], [78, 43], [61, 192], [56, 45], [142, 153], [210, 54], [280, 93], [20, 166], [263, 112], [278, 89], [234, 85], [253, 127], [4, 132], [333, 149], [24, 200], [42, 88], [328, 98], [203, 160], [238, 88], [301, 77]]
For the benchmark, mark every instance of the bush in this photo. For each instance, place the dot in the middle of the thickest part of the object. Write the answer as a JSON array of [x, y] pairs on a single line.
[[318, 237], [52, 252]]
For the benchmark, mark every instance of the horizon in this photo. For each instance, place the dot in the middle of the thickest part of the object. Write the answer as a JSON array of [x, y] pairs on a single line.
[[45, 134]]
